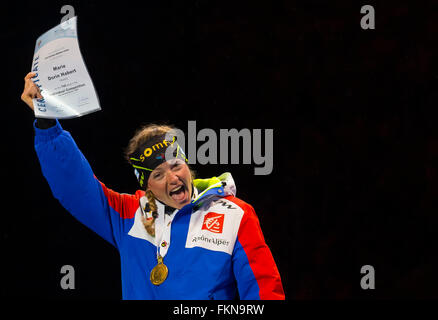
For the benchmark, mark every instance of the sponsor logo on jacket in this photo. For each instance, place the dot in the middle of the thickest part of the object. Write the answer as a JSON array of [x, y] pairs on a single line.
[[216, 227], [213, 222], [210, 240]]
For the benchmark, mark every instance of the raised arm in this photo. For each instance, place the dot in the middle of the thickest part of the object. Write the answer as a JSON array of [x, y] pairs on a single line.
[[72, 180]]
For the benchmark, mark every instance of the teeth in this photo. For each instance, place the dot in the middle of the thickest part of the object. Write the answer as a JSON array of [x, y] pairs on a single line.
[[176, 189]]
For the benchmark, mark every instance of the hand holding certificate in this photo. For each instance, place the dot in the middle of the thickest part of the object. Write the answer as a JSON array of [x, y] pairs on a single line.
[[61, 75]]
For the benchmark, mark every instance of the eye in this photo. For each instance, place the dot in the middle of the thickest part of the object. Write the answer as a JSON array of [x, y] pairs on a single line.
[[156, 175]]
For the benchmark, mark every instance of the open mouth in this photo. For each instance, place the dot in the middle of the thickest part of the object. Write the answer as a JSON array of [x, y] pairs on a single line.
[[178, 193]]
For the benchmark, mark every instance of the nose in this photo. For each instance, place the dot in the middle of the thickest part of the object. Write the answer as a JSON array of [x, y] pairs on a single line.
[[172, 178]]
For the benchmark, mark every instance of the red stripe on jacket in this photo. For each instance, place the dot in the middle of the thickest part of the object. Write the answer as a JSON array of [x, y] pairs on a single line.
[[124, 204], [258, 253]]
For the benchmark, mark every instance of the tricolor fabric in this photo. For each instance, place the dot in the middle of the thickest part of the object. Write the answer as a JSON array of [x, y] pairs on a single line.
[[213, 247]]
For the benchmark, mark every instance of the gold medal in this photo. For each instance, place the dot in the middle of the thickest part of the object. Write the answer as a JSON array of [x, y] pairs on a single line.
[[159, 272]]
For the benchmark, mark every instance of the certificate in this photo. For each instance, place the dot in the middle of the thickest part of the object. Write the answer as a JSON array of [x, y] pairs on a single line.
[[61, 75]]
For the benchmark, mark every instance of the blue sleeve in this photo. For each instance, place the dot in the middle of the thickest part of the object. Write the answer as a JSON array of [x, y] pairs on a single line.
[[73, 183]]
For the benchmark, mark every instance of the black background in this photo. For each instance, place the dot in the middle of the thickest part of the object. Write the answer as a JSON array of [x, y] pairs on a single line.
[[355, 178]]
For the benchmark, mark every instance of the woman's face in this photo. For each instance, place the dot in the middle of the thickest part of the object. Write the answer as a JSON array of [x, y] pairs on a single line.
[[171, 183]]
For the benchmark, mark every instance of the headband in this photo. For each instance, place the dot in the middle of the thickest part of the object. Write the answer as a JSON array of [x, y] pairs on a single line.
[[152, 153]]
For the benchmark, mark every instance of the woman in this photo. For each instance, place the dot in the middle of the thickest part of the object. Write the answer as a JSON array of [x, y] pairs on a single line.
[[178, 237]]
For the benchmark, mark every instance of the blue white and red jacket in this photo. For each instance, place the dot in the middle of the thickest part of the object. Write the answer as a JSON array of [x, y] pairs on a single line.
[[213, 247]]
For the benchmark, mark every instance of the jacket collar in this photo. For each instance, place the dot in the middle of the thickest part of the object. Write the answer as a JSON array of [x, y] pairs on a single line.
[[220, 186], [205, 189]]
